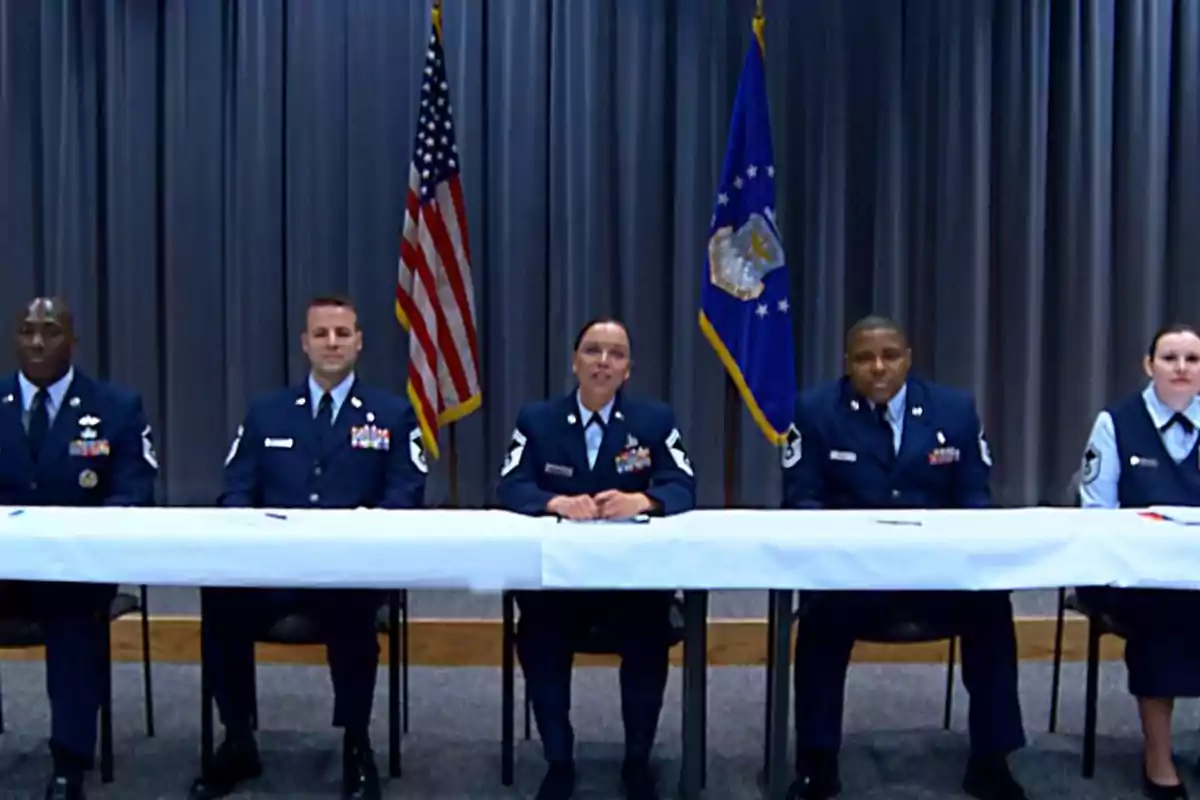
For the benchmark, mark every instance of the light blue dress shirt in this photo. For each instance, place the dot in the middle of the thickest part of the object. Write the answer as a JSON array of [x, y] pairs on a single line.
[[56, 391], [338, 394], [593, 435], [895, 416], [1101, 491]]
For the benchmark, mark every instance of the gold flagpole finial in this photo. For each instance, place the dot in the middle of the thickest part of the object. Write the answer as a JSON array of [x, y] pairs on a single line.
[[436, 14], [758, 9]]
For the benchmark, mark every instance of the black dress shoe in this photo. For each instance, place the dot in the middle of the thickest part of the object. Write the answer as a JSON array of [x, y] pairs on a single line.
[[638, 780], [559, 783], [235, 762], [1157, 791], [62, 787], [988, 778], [818, 777], [360, 776]]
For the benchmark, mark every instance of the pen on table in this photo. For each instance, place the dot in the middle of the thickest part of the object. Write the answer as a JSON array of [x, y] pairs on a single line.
[[276, 516], [915, 522], [16, 512]]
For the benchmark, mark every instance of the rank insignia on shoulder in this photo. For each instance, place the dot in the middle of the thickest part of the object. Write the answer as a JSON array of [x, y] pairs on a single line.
[[89, 448], [370, 437]]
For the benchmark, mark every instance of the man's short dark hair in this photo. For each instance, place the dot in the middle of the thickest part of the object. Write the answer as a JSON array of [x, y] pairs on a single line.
[[587, 326], [876, 322], [332, 301]]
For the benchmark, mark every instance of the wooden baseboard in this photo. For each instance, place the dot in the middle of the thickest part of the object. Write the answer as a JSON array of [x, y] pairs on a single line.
[[476, 643]]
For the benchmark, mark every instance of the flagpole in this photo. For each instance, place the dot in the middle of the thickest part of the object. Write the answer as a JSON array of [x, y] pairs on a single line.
[[732, 437]]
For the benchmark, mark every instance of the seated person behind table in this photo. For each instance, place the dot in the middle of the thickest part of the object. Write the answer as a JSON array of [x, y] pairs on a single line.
[[1143, 451], [596, 453], [879, 438], [330, 442], [68, 440]]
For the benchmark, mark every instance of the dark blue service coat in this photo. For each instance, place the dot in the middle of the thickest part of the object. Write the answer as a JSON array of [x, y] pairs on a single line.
[[642, 451], [374, 457], [835, 459]]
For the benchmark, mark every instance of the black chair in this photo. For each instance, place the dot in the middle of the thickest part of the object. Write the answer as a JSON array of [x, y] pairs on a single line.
[[18, 632], [1099, 625], [298, 629], [1070, 500], [591, 640]]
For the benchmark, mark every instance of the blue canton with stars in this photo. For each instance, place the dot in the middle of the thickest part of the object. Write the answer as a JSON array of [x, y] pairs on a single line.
[[435, 151], [745, 312]]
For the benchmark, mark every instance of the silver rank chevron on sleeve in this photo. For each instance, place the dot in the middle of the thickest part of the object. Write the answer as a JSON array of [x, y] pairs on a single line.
[[233, 448], [791, 447], [416, 450], [675, 448], [516, 449]]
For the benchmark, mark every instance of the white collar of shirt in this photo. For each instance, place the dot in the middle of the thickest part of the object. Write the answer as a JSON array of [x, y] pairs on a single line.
[[895, 406], [1161, 413], [57, 390], [585, 415], [337, 393]]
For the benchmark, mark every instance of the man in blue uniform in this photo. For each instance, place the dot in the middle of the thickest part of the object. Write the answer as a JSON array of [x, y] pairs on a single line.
[[68, 440], [1143, 451], [879, 438], [331, 442], [596, 454]]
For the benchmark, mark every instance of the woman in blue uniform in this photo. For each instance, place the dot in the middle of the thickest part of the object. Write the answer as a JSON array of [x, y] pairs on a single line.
[[1143, 451], [596, 453]]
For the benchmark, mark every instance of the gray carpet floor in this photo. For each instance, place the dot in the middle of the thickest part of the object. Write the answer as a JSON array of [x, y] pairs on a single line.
[[895, 746]]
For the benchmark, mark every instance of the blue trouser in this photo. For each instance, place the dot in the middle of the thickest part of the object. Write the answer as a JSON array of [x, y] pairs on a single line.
[[989, 660], [1162, 653], [234, 617], [638, 625], [73, 618]]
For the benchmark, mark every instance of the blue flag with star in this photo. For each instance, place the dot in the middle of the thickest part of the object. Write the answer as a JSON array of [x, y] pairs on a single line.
[[744, 308]]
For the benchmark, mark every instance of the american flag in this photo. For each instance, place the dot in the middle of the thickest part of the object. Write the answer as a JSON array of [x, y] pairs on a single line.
[[435, 298]]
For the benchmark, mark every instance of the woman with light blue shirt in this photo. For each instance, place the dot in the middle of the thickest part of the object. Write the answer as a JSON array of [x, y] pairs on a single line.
[[1144, 451]]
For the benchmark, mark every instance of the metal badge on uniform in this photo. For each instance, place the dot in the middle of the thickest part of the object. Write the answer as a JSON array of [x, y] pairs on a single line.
[[843, 455], [944, 455], [631, 441], [370, 437], [632, 459], [282, 444], [559, 469], [1142, 461], [8, 398], [87, 420], [88, 479]]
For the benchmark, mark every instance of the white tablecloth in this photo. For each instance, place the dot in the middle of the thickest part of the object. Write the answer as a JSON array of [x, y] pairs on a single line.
[[492, 550]]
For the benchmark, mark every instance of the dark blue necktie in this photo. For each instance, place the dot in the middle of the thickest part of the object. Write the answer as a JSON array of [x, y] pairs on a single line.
[[324, 420], [39, 423], [886, 434]]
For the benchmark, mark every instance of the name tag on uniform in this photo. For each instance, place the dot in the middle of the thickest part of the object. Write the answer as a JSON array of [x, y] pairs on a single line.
[[370, 437], [559, 469], [1142, 461], [280, 443], [89, 448], [944, 455], [633, 459], [843, 455]]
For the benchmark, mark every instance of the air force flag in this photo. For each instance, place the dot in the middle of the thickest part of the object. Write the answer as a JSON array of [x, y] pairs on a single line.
[[745, 313]]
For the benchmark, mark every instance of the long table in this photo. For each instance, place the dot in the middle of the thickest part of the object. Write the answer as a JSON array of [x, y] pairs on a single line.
[[490, 551]]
